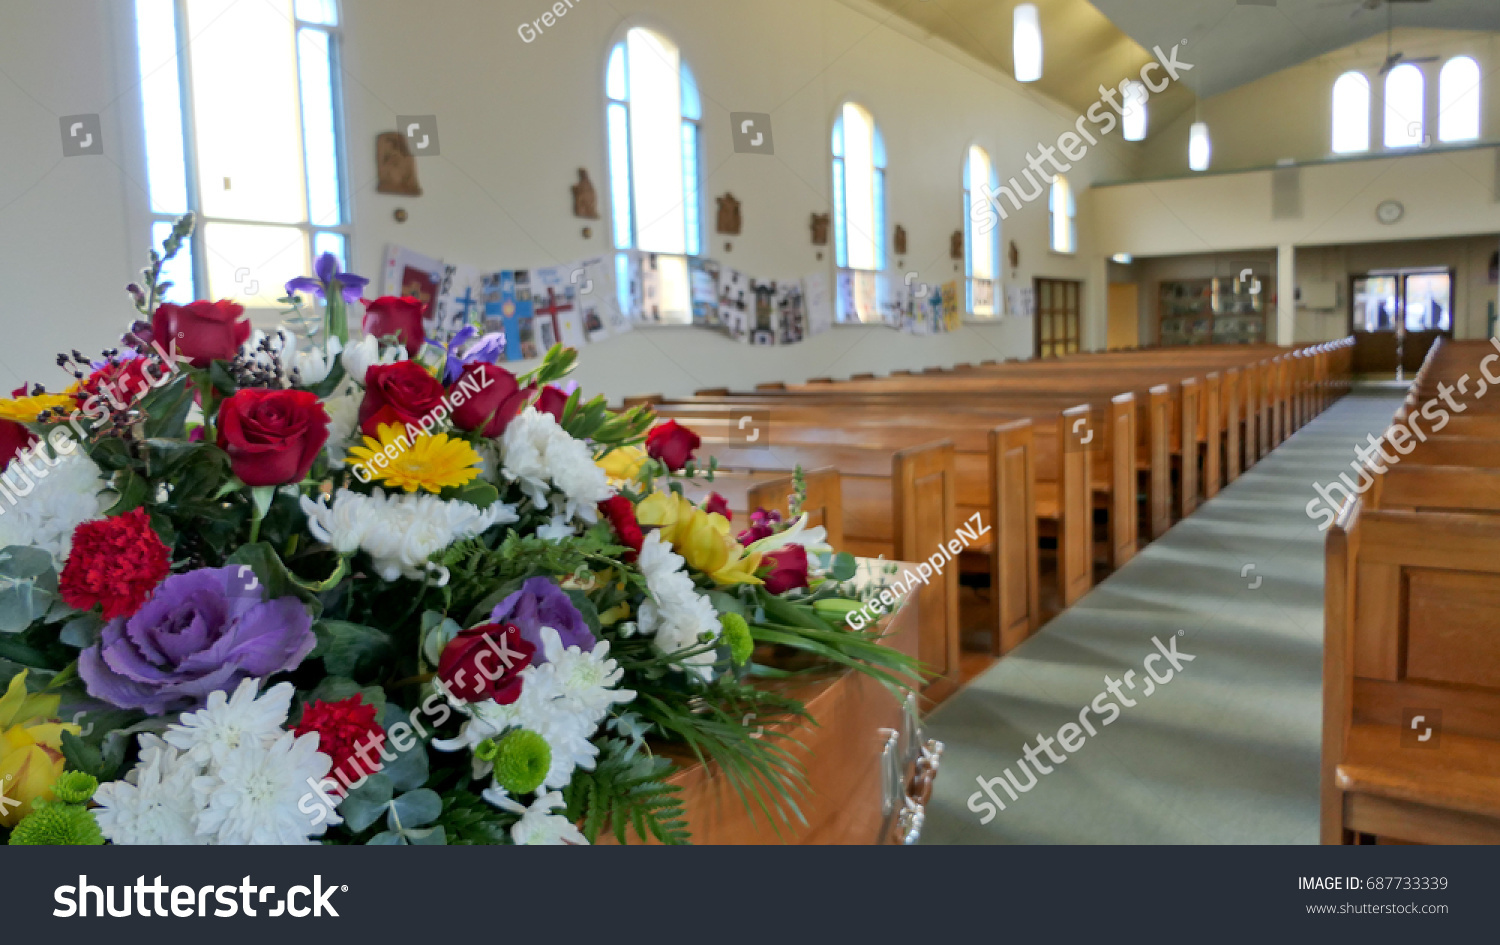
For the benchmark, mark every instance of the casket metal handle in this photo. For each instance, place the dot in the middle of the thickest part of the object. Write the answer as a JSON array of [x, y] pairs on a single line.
[[913, 813]]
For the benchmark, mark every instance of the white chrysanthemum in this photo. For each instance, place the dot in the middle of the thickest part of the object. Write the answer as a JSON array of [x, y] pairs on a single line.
[[252, 796], [557, 529], [401, 532], [53, 496], [676, 615], [538, 825], [343, 421], [564, 700], [540, 457], [365, 353], [155, 804], [228, 722]]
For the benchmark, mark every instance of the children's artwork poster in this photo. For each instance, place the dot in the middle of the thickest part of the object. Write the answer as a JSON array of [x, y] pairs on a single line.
[[1020, 300], [765, 317], [412, 275], [736, 303], [952, 309], [817, 302], [891, 298], [598, 307], [791, 314], [507, 308], [984, 296], [559, 318], [458, 304], [703, 277]]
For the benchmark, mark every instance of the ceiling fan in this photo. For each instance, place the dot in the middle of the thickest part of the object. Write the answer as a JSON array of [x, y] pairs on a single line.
[[1393, 58]]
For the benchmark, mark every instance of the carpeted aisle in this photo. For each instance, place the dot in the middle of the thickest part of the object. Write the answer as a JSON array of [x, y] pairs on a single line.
[[1226, 750]]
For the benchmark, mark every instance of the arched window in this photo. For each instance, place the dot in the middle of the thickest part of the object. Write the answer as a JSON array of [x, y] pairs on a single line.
[[1458, 100], [1064, 216], [653, 117], [1351, 113], [1133, 121], [1404, 91], [858, 211], [981, 234]]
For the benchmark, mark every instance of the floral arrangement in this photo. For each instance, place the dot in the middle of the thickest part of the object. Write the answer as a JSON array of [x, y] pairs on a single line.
[[294, 588]]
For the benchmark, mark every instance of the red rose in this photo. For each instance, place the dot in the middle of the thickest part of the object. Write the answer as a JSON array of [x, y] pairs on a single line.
[[116, 562], [552, 400], [492, 398], [717, 504], [202, 331], [672, 443], [399, 393], [272, 436], [621, 516], [485, 663], [13, 438], [399, 316], [788, 569]]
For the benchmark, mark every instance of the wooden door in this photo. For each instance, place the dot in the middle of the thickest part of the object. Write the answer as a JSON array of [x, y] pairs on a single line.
[[1059, 317], [1124, 315]]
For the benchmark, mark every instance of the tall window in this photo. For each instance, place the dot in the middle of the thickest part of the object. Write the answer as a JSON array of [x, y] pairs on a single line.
[[1133, 121], [1404, 91], [654, 116], [1351, 113], [981, 234], [1458, 100], [1064, 214], [241, 107], [858, 212]]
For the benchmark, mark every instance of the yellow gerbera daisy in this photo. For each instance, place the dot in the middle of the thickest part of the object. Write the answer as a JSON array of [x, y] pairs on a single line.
[[432, 461], [25, 409]]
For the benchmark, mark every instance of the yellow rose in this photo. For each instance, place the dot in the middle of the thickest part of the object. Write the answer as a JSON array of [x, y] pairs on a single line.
[[705, 541], [30, 749], [624, 463]]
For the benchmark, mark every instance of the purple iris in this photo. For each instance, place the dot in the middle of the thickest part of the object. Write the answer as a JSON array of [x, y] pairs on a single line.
[[326, 274], [486, 350], [540, 603], [202, 631]]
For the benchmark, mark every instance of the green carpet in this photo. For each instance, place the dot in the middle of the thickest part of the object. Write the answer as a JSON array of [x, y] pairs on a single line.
[[1226, 750]]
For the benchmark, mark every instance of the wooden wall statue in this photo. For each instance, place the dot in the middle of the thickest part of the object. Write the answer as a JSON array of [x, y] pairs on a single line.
[[956, 245], [395, 168], [729, 215], [900, 241], [820, 229], [1015, 255], [585, 198]]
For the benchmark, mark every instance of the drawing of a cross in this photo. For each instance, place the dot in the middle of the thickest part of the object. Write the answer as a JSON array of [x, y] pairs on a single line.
[[553, 309]]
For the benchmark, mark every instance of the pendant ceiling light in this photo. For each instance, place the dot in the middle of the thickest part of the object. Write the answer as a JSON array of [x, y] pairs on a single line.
[[1027, 43], [1199, 147]]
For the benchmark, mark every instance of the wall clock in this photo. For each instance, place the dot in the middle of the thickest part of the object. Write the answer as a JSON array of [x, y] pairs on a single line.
[[1389, 212]]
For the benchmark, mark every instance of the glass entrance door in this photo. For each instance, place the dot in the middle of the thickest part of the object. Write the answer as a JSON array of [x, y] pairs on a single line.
[[1396, 315]]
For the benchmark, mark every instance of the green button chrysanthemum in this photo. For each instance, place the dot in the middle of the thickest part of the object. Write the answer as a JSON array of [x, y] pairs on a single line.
[[74, 787], [737, 635], [51, 824], [522, 759]]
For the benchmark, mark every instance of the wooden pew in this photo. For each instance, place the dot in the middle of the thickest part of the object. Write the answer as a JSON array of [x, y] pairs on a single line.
[[1409, 630]]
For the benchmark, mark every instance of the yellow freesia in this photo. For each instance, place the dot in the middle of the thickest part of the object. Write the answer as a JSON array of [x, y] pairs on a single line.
[[664, 510], [623, 464], [26, 409], [30, 749]]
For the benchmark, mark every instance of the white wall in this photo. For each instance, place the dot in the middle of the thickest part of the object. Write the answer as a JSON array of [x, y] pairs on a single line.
[[516, 120]]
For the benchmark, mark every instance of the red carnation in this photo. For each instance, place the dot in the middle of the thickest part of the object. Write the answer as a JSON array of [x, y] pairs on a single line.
[[672, 443], [116, 562], [121, 383], [621, 515], [347, 733]]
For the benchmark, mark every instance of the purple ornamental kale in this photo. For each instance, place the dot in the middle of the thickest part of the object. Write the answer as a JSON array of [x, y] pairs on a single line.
[[540, 603]]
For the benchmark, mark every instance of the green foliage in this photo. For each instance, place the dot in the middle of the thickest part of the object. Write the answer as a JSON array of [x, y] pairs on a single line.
[[28, 587], [470, 820], [351, 649], [480, 576], [627, 790], [101, 761], [798, 626], [594, 421], [556, 364]]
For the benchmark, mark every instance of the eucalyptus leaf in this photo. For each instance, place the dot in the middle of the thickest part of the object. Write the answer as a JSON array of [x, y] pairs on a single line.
[[388, 838], [365, 804], [427, 837], [414, 809]]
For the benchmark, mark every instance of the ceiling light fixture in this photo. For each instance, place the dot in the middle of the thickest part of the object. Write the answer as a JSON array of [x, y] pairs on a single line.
[[1027, 43]]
